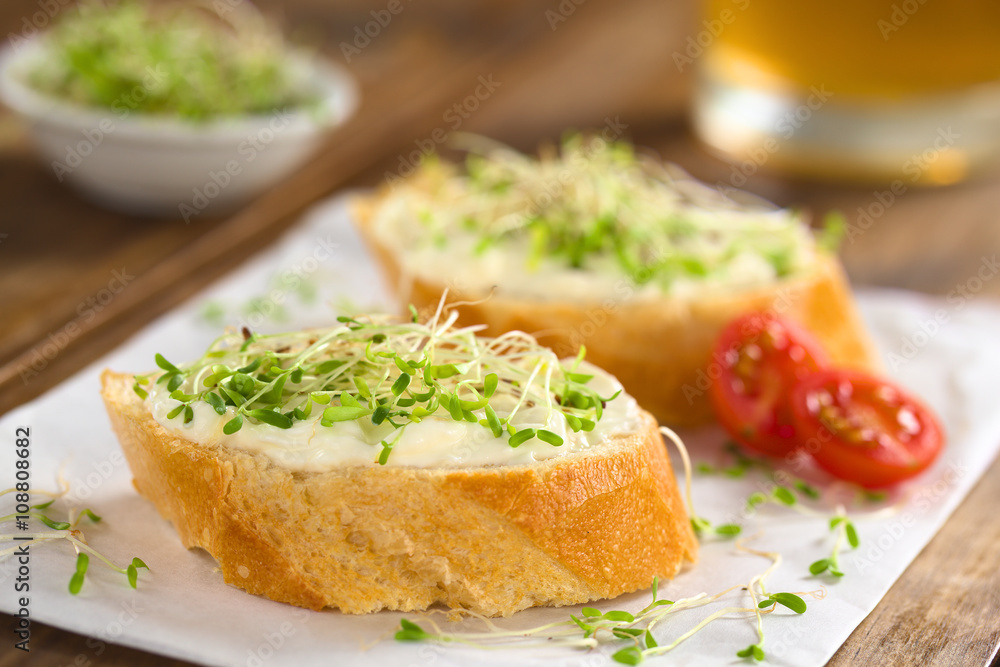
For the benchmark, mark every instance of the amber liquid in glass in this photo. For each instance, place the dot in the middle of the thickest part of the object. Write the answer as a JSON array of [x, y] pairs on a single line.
[[866, 90]]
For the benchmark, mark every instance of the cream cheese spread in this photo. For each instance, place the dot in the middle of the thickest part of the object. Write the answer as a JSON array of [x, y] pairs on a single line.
[[435, 442], [466, 269]]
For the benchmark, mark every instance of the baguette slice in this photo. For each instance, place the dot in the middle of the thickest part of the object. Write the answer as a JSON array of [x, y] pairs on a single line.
[[660, 350], [491, 539]]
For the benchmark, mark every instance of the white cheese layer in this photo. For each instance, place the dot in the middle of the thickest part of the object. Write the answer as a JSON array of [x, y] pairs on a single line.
[[471, 270], [436, 442]]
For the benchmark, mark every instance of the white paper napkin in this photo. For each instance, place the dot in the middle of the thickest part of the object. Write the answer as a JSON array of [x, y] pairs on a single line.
[[182, 608]]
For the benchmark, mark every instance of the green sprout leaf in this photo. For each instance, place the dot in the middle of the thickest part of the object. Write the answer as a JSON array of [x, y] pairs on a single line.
[[383, 456], [363, 389], [400, 385], [753, 651], [76, 581], [791, 601], [820, 566], [700, 525], [852, 535], [174, 380], [443, 371], [493, 422], [403, 365], [164, 364], [349, 401], [728, 530], [548, 436], [233, 396], [90, 515], [807, 490], [271, 417], [273, 395], [133, 571], [628, 656], [521, 437], [755, 500], [303, 414], [472, 405], [619, 616], [54, 525], [243, 384], [216, 402], [344, 413], [233, 425], [783, 495], [490, 384], [874, 496], [411, 632], [627, 633], [380, 414], [251, 367]]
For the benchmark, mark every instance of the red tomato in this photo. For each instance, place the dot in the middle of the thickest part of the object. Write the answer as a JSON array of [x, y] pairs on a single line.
[[763, 356], [863, 429]]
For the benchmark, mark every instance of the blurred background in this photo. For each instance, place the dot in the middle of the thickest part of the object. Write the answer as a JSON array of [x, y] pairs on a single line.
[[882, 110], [886, 110]]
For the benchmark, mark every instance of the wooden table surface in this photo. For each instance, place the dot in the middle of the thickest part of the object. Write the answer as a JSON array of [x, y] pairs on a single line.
[[606, 60]]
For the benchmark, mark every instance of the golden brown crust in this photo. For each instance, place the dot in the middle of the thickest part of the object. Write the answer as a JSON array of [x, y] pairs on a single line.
[[491, 539], [660, 349]]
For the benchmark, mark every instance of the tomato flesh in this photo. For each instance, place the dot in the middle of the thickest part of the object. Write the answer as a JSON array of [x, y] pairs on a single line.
[[863, 429], [762, 357]]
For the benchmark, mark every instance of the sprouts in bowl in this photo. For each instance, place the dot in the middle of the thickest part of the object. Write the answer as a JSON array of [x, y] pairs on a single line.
[[171, 109]]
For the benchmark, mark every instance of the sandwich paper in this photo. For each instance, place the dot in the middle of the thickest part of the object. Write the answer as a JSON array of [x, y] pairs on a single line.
[[182, 607]]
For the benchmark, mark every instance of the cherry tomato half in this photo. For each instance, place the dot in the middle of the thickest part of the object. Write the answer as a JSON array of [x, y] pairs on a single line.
[[864, 429], [762, 356]]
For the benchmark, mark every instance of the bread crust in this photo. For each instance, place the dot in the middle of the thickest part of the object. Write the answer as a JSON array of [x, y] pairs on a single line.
[[660, 350], [492, 539]]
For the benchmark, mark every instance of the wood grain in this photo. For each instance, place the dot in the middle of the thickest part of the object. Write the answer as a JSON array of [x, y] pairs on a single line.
[[53, 646], [607, 60], [943, 610]]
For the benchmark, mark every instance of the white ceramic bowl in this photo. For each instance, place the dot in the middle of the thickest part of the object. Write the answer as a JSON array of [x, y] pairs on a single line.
[[168, 167]]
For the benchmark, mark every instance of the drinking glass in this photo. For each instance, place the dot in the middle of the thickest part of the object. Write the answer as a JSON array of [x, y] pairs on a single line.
[[863, 90]]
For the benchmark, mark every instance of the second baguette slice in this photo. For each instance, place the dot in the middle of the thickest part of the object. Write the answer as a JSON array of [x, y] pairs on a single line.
[[660, 349]]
